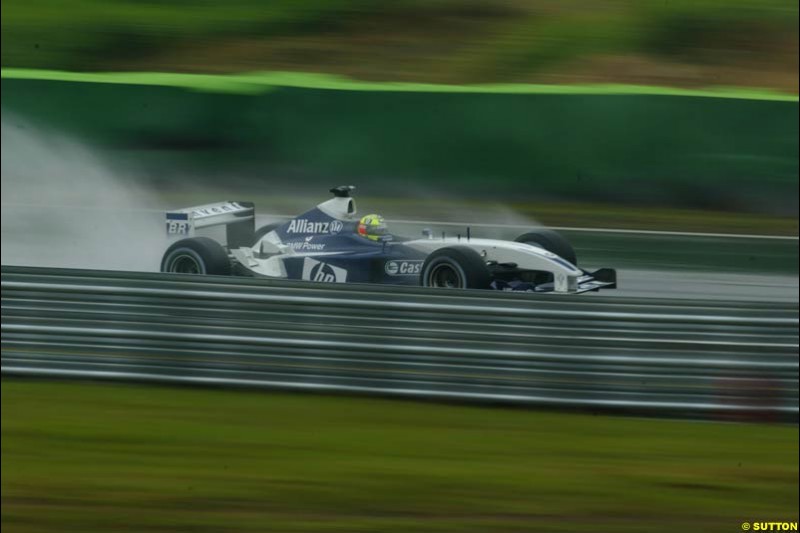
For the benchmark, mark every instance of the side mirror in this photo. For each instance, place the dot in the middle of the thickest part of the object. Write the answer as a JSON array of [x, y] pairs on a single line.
[[427, 233]]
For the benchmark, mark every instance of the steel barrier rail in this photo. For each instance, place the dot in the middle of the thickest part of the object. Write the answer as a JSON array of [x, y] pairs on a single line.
[[676, 357]]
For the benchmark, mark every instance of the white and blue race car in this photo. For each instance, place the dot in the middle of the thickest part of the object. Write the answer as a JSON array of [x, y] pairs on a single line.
[[331, 243]]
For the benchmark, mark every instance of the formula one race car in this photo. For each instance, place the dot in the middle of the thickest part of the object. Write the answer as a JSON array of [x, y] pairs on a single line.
[[330, 243]]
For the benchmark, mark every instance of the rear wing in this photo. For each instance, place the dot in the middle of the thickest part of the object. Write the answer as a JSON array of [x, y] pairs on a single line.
[[238, 217]]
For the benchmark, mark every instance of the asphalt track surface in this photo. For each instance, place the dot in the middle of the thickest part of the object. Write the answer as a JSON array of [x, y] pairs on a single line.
[[132, 239], [707, 285]]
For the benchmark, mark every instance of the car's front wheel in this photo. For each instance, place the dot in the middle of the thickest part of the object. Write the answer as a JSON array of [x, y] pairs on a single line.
[[455, 267], [196, 255]]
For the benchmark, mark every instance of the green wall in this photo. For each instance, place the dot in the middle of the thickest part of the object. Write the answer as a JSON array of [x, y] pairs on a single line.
[[683, 151]]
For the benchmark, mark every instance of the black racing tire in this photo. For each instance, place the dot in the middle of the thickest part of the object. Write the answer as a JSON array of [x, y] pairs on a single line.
[[455, 267], [263, 230], [552, 242], [196, 255]]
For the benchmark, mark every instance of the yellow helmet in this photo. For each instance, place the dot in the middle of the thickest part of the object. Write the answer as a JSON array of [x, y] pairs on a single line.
[[372, 227]]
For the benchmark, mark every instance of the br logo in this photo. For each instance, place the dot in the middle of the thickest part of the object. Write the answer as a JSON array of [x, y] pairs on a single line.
[[314, 270], [392, 268]]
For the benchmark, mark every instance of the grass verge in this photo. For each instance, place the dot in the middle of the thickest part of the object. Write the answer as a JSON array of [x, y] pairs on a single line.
[[100, 457]]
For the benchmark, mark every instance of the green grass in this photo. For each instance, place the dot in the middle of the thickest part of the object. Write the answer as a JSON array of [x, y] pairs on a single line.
[[100, 457], [680, 43], [261, 82]]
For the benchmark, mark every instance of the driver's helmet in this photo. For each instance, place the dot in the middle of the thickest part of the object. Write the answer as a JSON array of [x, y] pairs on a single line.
[[372, 227]]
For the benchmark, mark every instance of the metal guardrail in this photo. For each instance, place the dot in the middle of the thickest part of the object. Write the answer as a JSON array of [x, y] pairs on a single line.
[[677, 357]]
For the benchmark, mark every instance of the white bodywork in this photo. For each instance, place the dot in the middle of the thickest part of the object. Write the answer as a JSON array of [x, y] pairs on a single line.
[[526, 256]]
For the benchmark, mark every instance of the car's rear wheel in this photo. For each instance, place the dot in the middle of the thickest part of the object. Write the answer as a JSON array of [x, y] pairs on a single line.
[[550, 241], [196, 255], [455, 267]]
